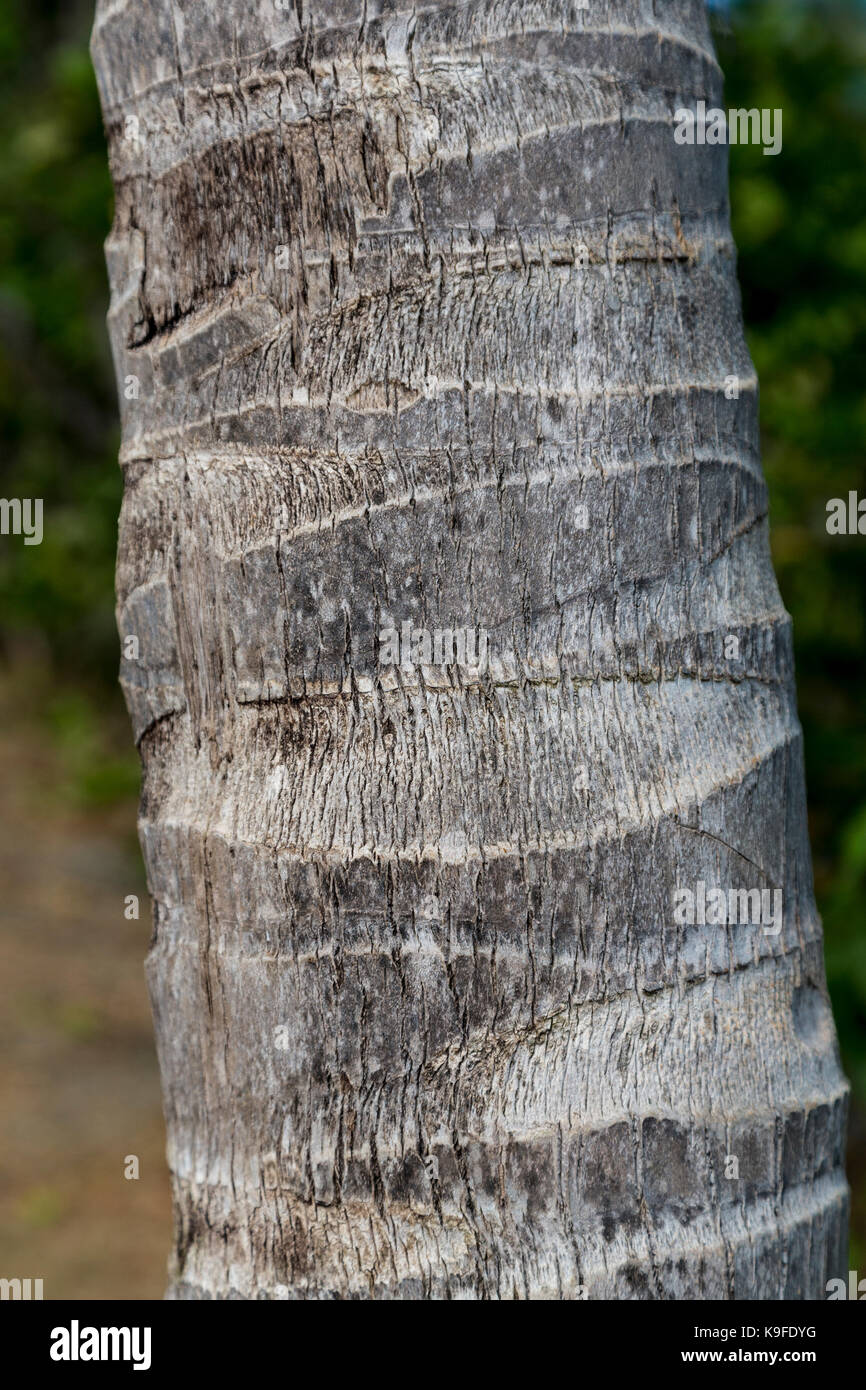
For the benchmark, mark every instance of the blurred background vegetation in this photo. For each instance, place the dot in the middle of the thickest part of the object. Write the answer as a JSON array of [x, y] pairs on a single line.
[[800, 225]]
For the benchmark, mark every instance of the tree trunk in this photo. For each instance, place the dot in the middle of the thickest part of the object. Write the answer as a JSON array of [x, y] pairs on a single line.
[[421, 316]]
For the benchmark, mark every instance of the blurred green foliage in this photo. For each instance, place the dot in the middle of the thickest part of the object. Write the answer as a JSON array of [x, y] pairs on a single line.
[[58, 410], [800, 225]]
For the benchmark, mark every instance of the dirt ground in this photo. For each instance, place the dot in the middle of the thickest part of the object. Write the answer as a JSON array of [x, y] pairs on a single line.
[[79, 1089]]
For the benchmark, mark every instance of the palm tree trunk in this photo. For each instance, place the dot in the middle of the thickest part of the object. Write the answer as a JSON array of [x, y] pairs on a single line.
[[421, 316]]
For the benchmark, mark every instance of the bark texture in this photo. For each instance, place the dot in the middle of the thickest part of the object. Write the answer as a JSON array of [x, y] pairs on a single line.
[[430, 321]]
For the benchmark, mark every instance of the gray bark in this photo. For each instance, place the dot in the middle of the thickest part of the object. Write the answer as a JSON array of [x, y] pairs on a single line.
[[405, 287]]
